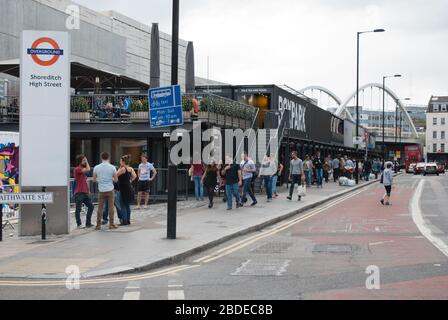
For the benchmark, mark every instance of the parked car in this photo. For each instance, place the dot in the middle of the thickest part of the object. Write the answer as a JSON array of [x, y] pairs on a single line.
[[411, 168], [441, 168], [431, 168], [419, 168]]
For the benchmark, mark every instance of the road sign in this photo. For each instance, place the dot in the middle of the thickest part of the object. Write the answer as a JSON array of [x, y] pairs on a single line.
[[165, 107], [27, 198]]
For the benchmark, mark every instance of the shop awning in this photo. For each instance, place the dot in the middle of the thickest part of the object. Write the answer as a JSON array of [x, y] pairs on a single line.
[[84, 77]]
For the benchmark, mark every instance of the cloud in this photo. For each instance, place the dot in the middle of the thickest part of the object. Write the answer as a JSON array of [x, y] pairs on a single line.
[[310, 41]]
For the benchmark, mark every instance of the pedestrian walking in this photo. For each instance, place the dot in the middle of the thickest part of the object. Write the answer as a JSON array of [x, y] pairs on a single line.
[[234, 180], [326, 170], [296, 176], [276, 177], [82, 193], [146, 174], [105, 175], [318, 165], [248, 169], [126, 175], [367, 169], [336, 169], [210, 181], [267, 171], [308, 170], [387, 181], [198, 170]]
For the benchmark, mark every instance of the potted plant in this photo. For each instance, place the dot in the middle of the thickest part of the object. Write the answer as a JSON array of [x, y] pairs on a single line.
[[204, 109], [139, 110], [79, 109], [187, 106]]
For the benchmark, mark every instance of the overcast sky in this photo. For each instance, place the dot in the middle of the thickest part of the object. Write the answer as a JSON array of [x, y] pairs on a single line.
[[310, 42]]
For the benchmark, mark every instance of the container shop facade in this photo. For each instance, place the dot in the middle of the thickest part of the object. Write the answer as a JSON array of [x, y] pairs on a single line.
[[309, 128]]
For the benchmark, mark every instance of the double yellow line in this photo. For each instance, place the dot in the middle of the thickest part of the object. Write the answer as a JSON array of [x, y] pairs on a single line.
[[197, 263]]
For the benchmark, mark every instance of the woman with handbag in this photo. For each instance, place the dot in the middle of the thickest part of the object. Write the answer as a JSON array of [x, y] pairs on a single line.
[[126, 175]]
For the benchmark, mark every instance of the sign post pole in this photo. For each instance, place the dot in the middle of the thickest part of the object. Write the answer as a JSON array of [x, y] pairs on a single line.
[[44, 219], [1, 222]]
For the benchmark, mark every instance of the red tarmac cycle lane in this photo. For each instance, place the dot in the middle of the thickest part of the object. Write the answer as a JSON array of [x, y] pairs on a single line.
[[380, 236]]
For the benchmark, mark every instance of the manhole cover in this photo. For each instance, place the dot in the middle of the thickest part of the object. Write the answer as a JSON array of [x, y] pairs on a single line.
[[273, 247], [334, 248]]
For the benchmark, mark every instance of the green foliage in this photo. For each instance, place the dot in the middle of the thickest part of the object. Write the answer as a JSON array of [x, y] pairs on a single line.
[[79, 104], [139, 106], [187, 104]]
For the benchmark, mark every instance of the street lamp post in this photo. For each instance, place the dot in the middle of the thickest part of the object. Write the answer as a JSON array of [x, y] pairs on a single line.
[[384, 113], [357, 93], [172, 168]]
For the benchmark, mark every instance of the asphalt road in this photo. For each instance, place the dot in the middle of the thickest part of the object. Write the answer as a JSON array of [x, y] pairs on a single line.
[[327, 253]]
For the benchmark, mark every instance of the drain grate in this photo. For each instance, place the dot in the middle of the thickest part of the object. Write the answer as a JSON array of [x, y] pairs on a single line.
[[335, 248], [273, 247]]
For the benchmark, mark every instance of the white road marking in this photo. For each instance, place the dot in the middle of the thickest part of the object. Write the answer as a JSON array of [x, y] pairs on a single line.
[[380, 243], [132, 291], [421, 224], [134, 295], [176, 295]]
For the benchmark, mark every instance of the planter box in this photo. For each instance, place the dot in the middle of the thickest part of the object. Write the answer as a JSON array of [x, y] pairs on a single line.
[[213, 117], [203, 116], [80, 116], [229, 121], [140, 116], [187, 116], [221, 119]]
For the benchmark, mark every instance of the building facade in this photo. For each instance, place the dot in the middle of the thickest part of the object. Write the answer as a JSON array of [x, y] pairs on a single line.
[[437, 130], [107, 41]]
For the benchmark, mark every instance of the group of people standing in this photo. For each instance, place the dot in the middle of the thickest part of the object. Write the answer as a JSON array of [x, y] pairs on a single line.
[[115, 187], [233, 176]]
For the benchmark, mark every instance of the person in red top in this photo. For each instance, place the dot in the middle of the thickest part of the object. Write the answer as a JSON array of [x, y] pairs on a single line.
[[82, 193], [198, 170]]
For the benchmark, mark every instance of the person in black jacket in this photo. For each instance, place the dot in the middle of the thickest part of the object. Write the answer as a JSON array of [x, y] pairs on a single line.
[[367, 169]]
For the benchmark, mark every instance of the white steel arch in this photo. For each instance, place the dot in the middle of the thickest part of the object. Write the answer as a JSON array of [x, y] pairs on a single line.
[[325, 90], [343, 107]]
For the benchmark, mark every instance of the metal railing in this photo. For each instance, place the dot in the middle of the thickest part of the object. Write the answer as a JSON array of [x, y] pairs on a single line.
[[100, 108]]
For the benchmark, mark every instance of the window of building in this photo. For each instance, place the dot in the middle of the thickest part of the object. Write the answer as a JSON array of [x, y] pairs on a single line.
[[442, 148], [434, 148], [435, 108], [443, 107], [434, 121], [442, 135], [443, 121], [434, 134]]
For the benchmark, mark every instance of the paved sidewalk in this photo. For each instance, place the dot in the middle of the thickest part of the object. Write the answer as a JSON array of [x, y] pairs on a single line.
[[143, 245]]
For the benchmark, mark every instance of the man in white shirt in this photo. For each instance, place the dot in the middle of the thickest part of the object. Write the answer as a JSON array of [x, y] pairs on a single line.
[[105, 175], [248, 169]]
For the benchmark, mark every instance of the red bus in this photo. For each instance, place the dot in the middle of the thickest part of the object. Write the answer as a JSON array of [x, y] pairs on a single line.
[[413, 154]]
